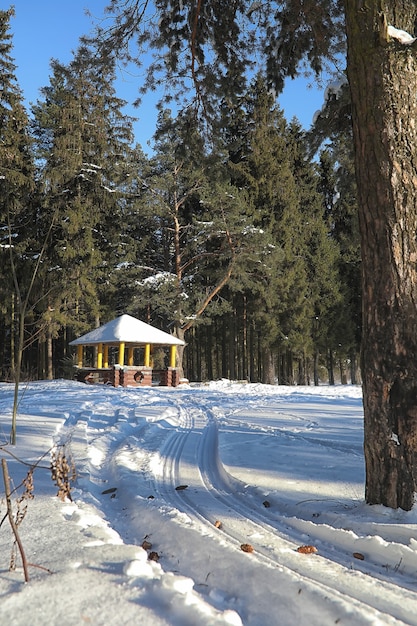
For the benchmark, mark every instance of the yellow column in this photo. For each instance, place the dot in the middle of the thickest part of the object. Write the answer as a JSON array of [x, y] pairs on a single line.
[[130, 356], [172, 356], [106, 356], [147, 357], [121, 353], [80, 356], [99, 356]]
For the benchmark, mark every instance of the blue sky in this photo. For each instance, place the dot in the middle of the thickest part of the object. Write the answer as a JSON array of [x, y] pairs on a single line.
[[46, 29]]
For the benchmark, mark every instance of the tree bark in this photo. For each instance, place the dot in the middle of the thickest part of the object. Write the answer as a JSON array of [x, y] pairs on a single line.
[[316, 368], [382, 74], [354, 373], [49, 354], [268, 367], [343, 375], [330, 366], [302, 369]]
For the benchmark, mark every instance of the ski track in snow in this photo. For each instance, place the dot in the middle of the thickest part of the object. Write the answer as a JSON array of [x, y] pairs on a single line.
[[173, 440], [275, 536]]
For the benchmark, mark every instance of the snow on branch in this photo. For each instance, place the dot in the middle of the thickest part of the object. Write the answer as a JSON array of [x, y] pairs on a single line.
[[333, 91], [401, 35]]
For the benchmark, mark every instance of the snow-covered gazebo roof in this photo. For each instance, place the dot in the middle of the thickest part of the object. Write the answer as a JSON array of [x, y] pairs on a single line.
[[129, 330]]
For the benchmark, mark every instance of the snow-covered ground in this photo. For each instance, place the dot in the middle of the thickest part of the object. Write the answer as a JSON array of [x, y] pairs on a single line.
[[275, 468]]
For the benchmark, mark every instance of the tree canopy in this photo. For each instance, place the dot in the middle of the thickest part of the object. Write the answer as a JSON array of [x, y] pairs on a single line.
[[206, 50], [212, 47]]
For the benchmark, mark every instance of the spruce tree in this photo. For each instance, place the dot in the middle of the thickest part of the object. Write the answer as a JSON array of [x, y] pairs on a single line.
[[20, 249], [254, 134], [338, 188], [85, 158], [321, 253], [298, 282], [16, 174]]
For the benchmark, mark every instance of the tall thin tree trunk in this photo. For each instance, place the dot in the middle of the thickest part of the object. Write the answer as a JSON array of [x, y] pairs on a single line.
[[49, 354], [259, 356], [252, 369], [269, 367], [330, 366], [245, 367], [219, 351], [343, 375], [180, 352], [209, 352], [316, 369], [302, 372], [198, 354], [354, 377], [231, 348], [289, 363], [224, 349], [13, 335]]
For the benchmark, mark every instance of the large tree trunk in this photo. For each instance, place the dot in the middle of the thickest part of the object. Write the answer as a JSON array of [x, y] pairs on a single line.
[[382, 75]]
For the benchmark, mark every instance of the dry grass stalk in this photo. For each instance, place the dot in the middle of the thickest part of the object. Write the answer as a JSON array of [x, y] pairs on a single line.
[[63, 472]]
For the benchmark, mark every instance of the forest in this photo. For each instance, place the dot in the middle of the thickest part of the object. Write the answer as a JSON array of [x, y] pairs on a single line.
[[243, 242]]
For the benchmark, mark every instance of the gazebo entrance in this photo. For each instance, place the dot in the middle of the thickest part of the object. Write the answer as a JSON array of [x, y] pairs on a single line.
[[132, 340]]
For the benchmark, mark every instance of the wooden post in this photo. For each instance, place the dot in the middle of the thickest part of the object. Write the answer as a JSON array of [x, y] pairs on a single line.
[[147, 357], [172, 356], [80, 356], [130, 356], [99, 356], [121, 353], [106, 356]]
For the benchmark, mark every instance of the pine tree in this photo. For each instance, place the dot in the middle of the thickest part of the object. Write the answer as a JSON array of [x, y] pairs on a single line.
[[203, 241]]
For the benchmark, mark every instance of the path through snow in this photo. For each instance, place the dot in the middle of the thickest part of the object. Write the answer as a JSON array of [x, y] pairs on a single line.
[[278, 467]]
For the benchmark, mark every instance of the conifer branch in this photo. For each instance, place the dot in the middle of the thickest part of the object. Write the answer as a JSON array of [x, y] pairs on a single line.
[[224, 280], [210, 297], [196, 83]]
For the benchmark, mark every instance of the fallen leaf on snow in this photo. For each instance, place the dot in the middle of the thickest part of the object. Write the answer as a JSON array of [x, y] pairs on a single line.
[[307, 549], [246, 547], [359, 555], [181, 487]]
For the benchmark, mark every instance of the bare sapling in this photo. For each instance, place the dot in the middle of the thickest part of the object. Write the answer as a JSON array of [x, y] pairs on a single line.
[[63, 474]]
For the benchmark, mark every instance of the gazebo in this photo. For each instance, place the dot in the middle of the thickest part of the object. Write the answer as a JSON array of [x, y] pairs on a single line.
[[133, 340]]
